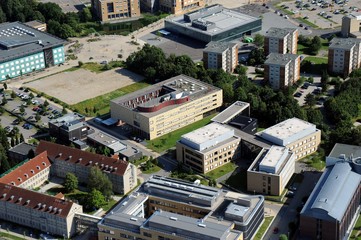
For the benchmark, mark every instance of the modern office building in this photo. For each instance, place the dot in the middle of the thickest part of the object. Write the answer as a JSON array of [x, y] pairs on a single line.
[[125, 152], [38, 211], [21, 152], [219, 55], [334, 204], [208, 148], [281, 40], [270, 171], [31, 174], [70, 127], [112, 10], [344, 55], [166, 208], [65, 160], [24, 49], [214, 23], [282, 70], [166, 106], [300, 137], [351, 26]]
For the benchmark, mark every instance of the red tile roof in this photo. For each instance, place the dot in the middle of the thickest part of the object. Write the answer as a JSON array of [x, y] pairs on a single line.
[[27, 170], [34, 200], [77, 156]]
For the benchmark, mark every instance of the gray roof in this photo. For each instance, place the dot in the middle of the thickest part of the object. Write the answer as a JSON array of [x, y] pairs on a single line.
[[333, 193], [344, 43], [279, 32], [218, 47], [22, 148], [345, 149], [226, 115], [19, 40], [187, 227], [280, 59]]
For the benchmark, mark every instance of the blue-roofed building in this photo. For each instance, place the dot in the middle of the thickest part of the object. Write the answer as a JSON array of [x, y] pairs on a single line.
[[334, 204], [24, 49]]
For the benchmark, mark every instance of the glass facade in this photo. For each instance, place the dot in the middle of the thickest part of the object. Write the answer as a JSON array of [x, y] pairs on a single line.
[[29, 64]]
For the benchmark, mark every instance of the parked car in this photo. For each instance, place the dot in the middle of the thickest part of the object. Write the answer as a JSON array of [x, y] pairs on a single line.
[[292, 188], [276, 230], [297, 94]]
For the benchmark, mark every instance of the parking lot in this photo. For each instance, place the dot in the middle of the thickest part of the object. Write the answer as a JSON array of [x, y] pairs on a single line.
[[322, 13]]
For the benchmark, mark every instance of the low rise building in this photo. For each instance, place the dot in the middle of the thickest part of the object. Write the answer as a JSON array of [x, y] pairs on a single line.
[[334, 204], [344, 55], [282, 70], [281, 40], [31, 174], [270, 171], [65, 160], [218, 55], [112, 10], [166, 106], [208, 148], [38, 211], [41, 26], [300, 137], [21, 152], [214, 23], [171, 208], [351, 26]]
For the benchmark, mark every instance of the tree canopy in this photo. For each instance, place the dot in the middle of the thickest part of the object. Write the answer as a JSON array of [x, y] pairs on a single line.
[[100, 181], [71, 182]]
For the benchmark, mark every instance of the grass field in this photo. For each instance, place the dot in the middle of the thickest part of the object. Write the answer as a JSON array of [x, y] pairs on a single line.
[[102, 102], [356, 231], [9, 236], [316, 161], [317, 60], [263, 228], [305, 21], [219, 172], [169, 140]]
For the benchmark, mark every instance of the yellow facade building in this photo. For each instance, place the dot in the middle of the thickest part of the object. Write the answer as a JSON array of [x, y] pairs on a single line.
[[113, 10]]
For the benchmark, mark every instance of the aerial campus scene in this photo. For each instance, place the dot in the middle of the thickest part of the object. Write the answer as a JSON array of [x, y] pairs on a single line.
[[180, 119]]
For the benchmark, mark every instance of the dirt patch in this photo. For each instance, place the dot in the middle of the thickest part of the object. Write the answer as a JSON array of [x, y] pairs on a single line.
[[77, 86]]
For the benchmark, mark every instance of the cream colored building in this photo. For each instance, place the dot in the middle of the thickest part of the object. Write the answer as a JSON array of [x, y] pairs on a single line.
[[344, 55], [166, 208], [167, 106], [281, 40], [180, 6], [282, 70], [38, 211], [351, 26], [31, 174], [208, 148], [218, 55], [112, 10], [270, 171], [299, 136], [122, 174]]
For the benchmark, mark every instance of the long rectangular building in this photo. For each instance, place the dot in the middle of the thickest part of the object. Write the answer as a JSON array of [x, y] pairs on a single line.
[[166, 106], [166, 208], [24, 49], [65, 160], [38, 211]]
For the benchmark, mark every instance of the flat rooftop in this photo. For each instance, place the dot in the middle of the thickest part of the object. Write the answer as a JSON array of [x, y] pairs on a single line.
[[287, 128], [273, 156], [344, 43], [215, 15], [226, 115], [218, 47], [279, 32], [207, 133], [107, 140], [18, 40], [346, 150], [280, 59]]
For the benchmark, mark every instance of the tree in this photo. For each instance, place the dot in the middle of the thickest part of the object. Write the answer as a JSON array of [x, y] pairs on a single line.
[[31, 154], [259, 40], [64, 111], [22, 109], [2, 16], [241, 70], [31, 95], [80, 63], [324, 77], [46, 103], [4, 163], [13, 94], [315, 45], [310, 100], [71, 182], [85, 15], [98, 180], [5, 86], [4, 101], [95, 199], [283, 237], [37, 117]]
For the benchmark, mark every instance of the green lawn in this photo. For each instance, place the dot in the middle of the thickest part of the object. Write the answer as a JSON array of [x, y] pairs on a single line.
[[238, 180], [102, 102], [317, 60], [153, 169], [263, 228], [316, 161], [169, 140], [356, 231], [140, 160], [9, 236], [305, 21], [301, 49], [109, 205], [219, 172]]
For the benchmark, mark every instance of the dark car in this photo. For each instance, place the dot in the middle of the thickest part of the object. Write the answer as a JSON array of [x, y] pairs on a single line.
[[297, 94], [301, 25], [304, 86], [290, 194], [276, 230]]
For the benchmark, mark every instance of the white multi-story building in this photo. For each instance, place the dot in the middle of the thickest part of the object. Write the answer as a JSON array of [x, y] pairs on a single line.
[[281, 40], [344, 55], [221, 55], [271, 170], [38, 211], [282, 70]]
